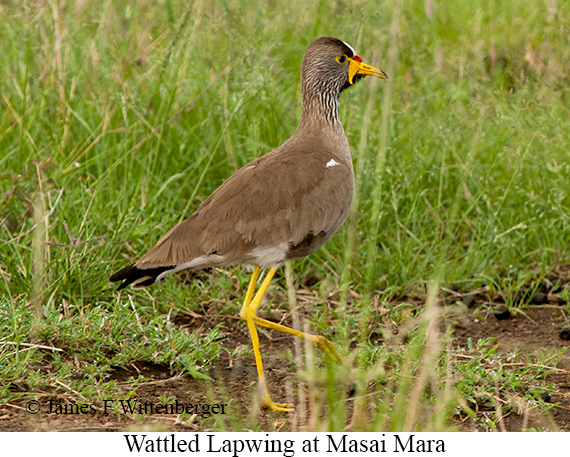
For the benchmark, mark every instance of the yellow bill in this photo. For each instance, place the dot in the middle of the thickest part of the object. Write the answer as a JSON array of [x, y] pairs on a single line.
[[357, 67]]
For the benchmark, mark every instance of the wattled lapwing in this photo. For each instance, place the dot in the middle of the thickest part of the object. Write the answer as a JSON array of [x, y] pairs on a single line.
[[282, 206]]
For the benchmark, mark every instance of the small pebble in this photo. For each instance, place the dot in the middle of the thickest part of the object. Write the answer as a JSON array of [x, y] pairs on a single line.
[[502, 313], [545, 396], [564, 333]]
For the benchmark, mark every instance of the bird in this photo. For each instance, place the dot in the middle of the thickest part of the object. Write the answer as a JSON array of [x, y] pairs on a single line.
[[280, 207]]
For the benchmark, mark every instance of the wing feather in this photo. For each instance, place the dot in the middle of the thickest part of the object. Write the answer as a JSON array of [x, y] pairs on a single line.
[[247, 211]]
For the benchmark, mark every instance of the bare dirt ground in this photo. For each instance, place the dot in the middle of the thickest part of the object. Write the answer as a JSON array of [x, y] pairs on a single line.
[[526, 332], [235, 379]]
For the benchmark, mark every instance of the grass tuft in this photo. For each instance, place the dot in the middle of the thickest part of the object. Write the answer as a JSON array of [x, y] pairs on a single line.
[[118, 118]]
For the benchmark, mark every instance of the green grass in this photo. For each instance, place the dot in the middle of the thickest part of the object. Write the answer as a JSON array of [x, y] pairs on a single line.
[[118, 118]]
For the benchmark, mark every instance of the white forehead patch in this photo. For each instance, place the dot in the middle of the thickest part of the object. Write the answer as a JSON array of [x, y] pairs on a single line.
[[349, 47], [332, 163]]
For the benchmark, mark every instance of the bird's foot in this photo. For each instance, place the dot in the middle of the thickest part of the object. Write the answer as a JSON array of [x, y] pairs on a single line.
[[281, 407], [327, 347]]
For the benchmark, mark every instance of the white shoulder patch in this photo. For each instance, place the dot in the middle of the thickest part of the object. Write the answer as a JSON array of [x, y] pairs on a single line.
[[332, 163], [349, 47]]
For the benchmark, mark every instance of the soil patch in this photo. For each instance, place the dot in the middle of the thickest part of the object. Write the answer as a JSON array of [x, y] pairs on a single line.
[[530, 330], [234, 380]]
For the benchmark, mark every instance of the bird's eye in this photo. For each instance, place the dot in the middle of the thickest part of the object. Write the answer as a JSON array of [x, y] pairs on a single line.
[[341, 59]]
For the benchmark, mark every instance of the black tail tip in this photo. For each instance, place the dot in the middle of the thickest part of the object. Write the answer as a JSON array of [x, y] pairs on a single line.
[[123, 273], [139, 277]]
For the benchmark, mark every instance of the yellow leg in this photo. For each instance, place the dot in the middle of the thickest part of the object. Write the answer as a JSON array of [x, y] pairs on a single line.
[[247, 313], [325, 345], [253, 304], [266, 401], [250, 290]]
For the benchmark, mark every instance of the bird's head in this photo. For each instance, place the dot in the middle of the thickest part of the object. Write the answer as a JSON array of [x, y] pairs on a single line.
[[333, 64]]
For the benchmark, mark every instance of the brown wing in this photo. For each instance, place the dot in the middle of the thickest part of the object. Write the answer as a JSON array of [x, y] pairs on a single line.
[[276, 198]]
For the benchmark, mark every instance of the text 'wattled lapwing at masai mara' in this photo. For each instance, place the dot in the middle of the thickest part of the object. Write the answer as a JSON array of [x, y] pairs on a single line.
[[282, 206]]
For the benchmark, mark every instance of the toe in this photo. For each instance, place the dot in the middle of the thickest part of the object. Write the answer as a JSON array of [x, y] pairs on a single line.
[[328, 348], [281, 407]]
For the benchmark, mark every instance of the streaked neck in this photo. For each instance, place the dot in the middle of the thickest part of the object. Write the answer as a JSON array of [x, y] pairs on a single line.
[[320, 111]]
